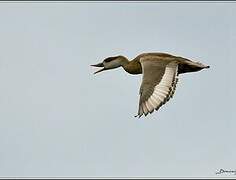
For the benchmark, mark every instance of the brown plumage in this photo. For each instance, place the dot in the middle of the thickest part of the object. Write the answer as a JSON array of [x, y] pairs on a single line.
[[160, 76]]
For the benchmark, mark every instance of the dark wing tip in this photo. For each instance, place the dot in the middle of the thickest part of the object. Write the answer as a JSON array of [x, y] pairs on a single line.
[[138, 115]]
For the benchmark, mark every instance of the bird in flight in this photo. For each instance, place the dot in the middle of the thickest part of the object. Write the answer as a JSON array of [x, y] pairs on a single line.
[[160, 76]]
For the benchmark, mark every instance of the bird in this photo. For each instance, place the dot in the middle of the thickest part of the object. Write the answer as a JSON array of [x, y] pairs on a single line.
[[160, 76]]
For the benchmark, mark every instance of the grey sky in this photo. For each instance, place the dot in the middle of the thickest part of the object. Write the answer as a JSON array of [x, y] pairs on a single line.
[[58, 119]]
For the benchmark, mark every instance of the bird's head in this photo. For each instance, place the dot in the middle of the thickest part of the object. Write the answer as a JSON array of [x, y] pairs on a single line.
[[110, 63]]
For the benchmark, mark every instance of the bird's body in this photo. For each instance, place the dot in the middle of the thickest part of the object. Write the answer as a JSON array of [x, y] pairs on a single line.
[[160, 75]]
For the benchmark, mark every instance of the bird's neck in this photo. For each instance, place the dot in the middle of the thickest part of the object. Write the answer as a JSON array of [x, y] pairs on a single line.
[[132, 67], [123, 61]]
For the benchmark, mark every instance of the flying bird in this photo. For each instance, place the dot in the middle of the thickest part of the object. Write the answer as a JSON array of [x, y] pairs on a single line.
[[160, 76]]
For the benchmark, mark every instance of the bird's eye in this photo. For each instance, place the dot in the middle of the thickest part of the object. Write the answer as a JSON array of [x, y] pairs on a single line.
[[109, 59]]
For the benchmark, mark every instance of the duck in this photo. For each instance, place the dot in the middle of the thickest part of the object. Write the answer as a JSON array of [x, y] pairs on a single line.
[[160, 74]]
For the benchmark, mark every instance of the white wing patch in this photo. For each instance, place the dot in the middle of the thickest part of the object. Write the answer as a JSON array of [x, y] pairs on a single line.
[[162, 91]]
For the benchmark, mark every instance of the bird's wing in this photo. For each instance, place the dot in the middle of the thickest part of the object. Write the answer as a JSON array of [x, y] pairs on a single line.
[[158, 84]]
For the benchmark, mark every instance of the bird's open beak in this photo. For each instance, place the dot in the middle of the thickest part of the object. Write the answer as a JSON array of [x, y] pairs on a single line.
[[99, 65]]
